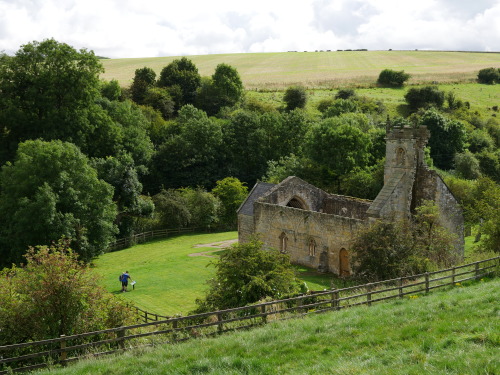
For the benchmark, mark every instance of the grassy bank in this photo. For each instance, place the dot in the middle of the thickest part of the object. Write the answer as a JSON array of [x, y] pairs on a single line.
[[322, 69], [454, 331]]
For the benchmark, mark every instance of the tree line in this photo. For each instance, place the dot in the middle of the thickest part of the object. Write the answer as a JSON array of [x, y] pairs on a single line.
[[89, 160]]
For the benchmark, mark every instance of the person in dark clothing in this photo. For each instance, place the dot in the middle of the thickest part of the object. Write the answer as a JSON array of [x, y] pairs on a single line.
[[124, 279]]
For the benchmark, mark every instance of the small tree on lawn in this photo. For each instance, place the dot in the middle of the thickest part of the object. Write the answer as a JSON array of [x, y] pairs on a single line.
[[246, 273]]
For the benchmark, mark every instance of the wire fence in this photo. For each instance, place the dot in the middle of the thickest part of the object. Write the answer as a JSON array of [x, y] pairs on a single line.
[[158, 329], [126, 242]]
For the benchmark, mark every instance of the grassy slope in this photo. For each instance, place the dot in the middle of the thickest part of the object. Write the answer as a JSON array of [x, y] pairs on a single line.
[[168, 279], [322, 69], [447, 332]]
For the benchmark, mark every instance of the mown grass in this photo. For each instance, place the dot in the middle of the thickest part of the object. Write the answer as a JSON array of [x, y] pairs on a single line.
[[168, 279], [322, 69], [454, 331]]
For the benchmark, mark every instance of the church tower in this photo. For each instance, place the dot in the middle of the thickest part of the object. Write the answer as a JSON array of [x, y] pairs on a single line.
[[404, 155]]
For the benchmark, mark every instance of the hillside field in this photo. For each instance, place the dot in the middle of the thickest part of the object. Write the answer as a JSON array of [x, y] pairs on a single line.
[[322, 69], [453, 331]]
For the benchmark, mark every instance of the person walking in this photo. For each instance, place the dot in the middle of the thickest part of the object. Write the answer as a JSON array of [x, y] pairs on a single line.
[[124, 279]]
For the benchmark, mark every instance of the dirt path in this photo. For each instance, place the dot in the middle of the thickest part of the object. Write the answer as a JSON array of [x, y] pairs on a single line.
[[216, 245]]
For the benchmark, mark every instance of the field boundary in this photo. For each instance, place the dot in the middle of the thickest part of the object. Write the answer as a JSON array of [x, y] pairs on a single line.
[[160, 329], [135, 239]]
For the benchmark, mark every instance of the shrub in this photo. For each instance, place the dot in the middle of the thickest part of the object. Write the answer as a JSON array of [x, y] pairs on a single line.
[[489, 76], [246, 273], [424, 97], [54, 294], [393, 78], [345, 94], [295, 97]]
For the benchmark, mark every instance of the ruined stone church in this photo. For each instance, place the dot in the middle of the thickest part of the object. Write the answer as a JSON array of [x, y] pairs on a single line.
[[317, 229]]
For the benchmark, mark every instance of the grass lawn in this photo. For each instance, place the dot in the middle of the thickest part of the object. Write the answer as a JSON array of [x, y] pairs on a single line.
[[453, 331], [168, 279]]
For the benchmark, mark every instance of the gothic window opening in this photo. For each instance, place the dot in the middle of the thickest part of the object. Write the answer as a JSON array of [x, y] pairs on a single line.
[[296, 203], [312, 247], [283, 242], [400, 156]]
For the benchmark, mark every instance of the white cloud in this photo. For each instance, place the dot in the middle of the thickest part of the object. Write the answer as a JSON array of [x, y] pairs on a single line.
[[132, 28]]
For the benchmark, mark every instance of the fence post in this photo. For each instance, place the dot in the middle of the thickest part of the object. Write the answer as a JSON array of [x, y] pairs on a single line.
[[300, 302], [336, 297], [145, 316], [400, 286], [427, 282], [64, 354], [369, 294], [219, 326], [476, 269], [453, 276], [174, 327], [263, 311], [120, 336]]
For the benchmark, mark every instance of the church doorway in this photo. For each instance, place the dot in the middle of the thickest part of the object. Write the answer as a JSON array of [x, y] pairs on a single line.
[[344, 263]]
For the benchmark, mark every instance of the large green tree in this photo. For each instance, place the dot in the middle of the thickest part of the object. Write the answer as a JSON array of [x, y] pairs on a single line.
[[51, 191], [183, 74], [231, 192], [447, 137], [47, 91], [191, 155]]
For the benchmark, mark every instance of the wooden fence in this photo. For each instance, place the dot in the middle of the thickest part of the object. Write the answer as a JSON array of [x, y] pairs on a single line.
[[123, 243], [38, 354]]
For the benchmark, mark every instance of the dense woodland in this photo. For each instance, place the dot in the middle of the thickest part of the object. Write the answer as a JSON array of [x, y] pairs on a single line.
[[91, 161]]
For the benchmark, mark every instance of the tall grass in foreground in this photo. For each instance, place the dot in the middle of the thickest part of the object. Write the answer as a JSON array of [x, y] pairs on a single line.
[[454, 331]]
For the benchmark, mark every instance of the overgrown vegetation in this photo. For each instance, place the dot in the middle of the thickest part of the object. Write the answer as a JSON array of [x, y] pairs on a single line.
[[54, 294]]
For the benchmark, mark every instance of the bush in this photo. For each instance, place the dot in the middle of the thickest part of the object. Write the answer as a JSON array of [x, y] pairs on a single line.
[[295, 97], [424, 97], [489, 76], [54, 294], [393, 78], [345, 94], [246, 273]]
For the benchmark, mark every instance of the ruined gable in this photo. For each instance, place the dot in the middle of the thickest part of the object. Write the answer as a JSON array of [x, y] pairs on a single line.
[[316, 228]]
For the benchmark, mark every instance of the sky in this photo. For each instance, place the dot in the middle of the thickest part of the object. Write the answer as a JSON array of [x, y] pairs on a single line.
[[153, 28]]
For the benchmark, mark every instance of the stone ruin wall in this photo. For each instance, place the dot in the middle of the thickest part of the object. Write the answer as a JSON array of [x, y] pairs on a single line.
[[331, 233], [432, 187]]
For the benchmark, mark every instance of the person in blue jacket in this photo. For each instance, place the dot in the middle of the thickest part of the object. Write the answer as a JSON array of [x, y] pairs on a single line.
[[124, 278]]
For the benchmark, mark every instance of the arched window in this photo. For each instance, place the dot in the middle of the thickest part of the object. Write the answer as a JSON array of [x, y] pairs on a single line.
[[283, 242], [400, 156], [296, 202], [344, 269], [312, 247]]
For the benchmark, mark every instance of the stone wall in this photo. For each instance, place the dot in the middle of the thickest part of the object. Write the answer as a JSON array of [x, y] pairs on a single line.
[[430, 186], [294, 187], [330, 234], [346, 206], [246, 228]]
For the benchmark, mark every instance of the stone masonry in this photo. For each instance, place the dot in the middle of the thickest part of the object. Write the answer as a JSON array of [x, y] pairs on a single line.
[[317, 228]]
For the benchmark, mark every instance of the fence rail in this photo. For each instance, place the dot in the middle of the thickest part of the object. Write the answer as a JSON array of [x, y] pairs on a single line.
[[123, 243], [160, 329]]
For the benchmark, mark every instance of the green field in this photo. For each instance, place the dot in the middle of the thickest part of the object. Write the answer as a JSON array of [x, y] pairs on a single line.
[[453, 331], [169, 278], [322, 69]]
